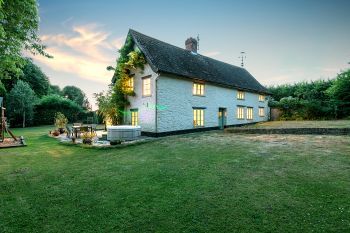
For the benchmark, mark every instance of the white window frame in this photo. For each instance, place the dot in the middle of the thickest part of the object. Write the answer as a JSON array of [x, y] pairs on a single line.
[[250, 113], [198, 117], [198, 89], [146, 87], [240, 112], [261, 98], [240, 95], [262, 111]]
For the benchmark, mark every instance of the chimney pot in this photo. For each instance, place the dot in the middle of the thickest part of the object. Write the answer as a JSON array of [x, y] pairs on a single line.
[[191, 44]]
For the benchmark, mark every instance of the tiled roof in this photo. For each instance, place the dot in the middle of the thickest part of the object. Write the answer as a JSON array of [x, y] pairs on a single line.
[[167, 58]]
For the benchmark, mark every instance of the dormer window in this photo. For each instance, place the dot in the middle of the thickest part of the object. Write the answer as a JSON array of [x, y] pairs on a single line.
[[198, 89], [240, 95]]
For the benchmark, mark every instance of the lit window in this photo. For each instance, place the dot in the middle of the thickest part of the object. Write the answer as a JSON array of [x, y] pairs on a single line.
[[146, 86], [130, 84], [261, 111], [240, 112], [249, 113], [198, 117], [198, 89], [240, 95], [261, 98], [134, 117]]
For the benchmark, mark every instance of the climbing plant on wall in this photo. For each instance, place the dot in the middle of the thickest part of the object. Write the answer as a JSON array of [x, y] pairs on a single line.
[[129, 59]]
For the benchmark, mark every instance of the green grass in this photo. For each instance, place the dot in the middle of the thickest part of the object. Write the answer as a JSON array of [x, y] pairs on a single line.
[[203, 182], [302, 124]]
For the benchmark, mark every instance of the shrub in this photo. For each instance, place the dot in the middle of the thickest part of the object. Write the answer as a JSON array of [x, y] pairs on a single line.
[[48, 106], [60, 120]]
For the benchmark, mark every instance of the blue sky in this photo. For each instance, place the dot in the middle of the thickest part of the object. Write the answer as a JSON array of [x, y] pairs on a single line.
[[285, 41]]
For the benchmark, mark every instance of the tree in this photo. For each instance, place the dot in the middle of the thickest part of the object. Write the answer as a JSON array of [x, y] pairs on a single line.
[[37, 80], [107, 108], [49, 105], [21, 101], [75, 94], [339, 93], [54, 90], [19, 23], [2, 89]]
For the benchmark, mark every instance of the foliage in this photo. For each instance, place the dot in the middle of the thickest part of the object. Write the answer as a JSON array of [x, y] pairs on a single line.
[[128, 60], [321, 99], [75, 94], [107, 108], [19, 23], [60, 120], [54, 90], [21, 100], [2, 89], [47, 107], [37, 80], [339, 94]]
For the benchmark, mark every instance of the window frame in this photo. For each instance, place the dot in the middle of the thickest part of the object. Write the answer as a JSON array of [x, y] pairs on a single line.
[[240, 114], [130, 87], [143, 86], [240, 95], [250, 113], [263, 109], [134, 118], [261, 98], [201, 90], [202, 117]]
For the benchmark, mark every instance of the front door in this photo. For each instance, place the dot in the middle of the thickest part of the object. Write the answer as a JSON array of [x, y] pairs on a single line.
[[222, 118]]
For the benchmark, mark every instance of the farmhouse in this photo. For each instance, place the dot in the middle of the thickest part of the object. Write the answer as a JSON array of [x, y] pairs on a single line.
[[180, 90]]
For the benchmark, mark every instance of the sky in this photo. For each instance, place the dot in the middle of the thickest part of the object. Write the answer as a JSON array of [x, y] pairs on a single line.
[[284, 41]]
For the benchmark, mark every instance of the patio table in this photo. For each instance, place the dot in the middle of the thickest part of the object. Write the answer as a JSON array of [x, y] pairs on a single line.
[[77, 128]]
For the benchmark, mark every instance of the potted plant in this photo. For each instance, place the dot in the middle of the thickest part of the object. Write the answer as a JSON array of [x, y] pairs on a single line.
[[55, 133], [88, 137], [60, 121]]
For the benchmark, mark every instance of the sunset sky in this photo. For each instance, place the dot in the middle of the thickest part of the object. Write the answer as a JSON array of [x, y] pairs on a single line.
[[285, 41]]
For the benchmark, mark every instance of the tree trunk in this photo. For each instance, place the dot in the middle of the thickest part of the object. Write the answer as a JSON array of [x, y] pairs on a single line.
[[24, 119]]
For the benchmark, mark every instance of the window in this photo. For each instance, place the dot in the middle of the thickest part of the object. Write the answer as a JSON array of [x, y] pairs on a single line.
[[240, 95], [261, 111], [249, 113], [240, 112], [134, 117], [261, 98], [130, 84], [198, 89], [198, 117], [146, 86]]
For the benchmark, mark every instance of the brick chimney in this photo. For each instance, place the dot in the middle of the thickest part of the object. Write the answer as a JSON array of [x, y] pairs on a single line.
[[191, 44]]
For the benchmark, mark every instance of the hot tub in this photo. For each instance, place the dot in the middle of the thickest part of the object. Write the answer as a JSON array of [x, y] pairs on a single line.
[[123, 132]]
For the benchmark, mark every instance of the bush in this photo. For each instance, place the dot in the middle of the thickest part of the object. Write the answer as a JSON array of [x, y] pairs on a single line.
[[49, 105]]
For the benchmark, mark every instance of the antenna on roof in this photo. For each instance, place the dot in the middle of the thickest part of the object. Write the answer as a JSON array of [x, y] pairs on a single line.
[[197, 41], [242, 57]]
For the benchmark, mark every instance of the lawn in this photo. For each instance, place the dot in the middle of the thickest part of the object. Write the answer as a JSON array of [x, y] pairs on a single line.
[[203, 182], [302, 124]]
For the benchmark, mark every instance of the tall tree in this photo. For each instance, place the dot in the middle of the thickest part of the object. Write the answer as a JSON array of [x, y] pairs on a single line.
[[74, 93], [19, 23], [21, 101], [55, 90], [37, 80]]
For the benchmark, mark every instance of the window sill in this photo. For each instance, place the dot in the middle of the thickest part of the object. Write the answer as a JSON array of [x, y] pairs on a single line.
[[199, 95]]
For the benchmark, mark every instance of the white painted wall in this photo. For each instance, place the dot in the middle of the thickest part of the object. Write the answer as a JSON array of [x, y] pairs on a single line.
[[175, 96], [145, 105]]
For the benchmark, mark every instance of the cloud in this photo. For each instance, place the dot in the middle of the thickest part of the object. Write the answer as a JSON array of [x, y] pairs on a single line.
[[211, 54], [85, 51]]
